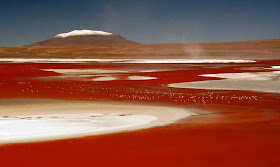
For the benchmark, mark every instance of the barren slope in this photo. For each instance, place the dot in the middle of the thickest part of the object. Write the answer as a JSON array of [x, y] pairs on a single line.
[[267, 49]]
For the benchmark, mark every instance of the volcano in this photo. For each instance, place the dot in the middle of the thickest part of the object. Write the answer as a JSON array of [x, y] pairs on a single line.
[[84, 37]]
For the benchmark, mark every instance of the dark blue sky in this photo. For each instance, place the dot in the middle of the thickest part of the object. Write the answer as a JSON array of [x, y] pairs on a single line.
[[147, 21]]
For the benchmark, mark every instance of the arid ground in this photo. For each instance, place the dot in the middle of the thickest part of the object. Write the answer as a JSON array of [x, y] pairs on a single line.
[[233, 124], [262, 49]]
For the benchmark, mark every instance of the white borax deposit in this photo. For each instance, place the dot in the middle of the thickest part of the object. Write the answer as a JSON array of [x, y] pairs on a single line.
[[250, 81], [29, 120], [132, 61]]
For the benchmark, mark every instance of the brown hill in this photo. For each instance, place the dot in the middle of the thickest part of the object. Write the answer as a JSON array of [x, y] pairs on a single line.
[[260, 49]]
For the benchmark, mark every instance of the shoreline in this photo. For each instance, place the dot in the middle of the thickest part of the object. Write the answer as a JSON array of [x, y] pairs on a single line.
[[116, 117], [267, 82]]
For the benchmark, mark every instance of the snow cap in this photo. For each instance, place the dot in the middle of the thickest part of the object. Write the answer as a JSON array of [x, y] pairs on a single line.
[[82, 33]]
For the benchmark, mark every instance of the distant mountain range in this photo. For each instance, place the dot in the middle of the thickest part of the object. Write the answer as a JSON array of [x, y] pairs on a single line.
[[84, 37]]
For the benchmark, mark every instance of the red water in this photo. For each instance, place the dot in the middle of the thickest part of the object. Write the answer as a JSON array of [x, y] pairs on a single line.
[[233, 128]]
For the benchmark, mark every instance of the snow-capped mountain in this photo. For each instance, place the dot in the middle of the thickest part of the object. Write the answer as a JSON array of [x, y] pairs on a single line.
[[84, 37]]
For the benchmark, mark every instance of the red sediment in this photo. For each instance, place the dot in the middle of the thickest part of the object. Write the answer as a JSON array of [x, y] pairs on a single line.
[[233, 128]]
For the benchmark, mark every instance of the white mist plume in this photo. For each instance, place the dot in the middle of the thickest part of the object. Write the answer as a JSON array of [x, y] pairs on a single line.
[[194, 50]]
